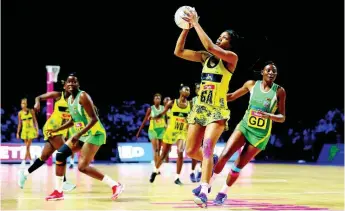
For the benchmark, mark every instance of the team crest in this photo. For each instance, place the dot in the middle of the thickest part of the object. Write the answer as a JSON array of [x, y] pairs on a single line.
[[209, 77]]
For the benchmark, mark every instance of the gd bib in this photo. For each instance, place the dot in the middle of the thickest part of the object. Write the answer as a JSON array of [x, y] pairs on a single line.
[[256, 120]]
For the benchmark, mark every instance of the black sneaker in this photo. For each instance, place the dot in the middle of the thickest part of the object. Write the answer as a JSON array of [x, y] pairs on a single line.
[[178, 182], [153, 176]]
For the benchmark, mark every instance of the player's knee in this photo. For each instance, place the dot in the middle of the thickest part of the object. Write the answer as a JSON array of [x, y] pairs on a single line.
[[180, 149], [44, 157], [190, 151], [225, 155], [60, 159], [82, 167], [221, 160], [62, 154], [165, 155]]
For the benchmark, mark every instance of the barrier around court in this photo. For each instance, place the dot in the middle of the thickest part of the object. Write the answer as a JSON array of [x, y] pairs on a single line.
[[332, 154], [128, 152], [142, 152]]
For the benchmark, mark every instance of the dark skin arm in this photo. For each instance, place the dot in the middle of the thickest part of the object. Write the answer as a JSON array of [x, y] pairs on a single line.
[[280, 117], [49, 95], [241, 91], [191, 103], [63, 127], [166, 108], [230, 57], [190, 55], [19, 125], [35, 119], [147, 115]]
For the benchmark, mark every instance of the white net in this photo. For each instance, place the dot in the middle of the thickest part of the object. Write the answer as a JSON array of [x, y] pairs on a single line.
[[53, 72]]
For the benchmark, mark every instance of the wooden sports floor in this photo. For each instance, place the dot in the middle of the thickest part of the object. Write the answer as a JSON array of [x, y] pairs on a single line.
[[260, 187]]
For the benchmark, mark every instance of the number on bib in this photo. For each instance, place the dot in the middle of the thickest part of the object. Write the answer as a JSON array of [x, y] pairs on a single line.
[[255, 120], [207, 94], [179, 126]]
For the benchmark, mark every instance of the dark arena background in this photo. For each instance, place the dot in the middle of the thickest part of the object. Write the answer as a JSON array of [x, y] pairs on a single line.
[[123, 54]]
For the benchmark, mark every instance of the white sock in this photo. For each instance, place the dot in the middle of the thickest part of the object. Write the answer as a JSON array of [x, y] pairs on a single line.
[[26, 172], [197, 168], [58, 183], [225, 189], [204, 188], [154, 166], [177, 176], [71, 161], [195, 172], [213, 178], [155, 169], [107, 180]]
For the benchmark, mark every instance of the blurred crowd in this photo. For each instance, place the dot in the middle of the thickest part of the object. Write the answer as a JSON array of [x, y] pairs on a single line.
[[305, 143], [122, 123]]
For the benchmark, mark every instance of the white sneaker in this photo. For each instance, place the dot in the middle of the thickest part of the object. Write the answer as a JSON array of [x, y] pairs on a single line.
[[67, 186]]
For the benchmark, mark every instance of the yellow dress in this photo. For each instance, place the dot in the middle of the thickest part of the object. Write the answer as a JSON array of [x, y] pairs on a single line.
[[211, 103], [177, 127], [59, 117], [28, 127]]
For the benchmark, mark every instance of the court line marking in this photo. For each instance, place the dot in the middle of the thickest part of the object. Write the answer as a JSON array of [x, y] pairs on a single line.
[[244, 180], [156, 209], [164, 196], [262, 180]]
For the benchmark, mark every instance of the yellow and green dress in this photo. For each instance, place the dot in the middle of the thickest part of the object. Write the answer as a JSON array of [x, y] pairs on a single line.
[[28, 127], [253, 126], [59, 117], [211, 104], [178, 126], [97, 134], [157, 126]]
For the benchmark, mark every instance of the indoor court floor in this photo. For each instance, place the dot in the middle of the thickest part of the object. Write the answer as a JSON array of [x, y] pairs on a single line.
[[260, 187]]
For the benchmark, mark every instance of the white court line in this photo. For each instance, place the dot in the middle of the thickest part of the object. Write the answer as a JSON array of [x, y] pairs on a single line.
[[216, 208], [262, 180], [165, 196]]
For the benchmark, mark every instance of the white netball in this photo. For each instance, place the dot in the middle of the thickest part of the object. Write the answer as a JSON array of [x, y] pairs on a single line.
[[179, 14]]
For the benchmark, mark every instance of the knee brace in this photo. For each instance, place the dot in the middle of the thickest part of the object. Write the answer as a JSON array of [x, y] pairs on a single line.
[[62, 154], [235, 170]]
